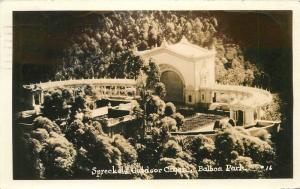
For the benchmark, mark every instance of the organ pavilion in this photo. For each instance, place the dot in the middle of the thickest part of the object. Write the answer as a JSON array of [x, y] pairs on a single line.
[[188, 72]]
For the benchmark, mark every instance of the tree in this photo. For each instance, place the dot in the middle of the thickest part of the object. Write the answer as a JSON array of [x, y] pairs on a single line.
[[155, 105], [33, 144], [227, 141], [99, 150], [168, 124], [240, 141], [150, 148], [82, 165], [170, 109], [263, 135], [49, 153], [153, 74], [89, 137], [104, 154], [223, 124], [58, 157], [273, 110], [179, 118], [74, 133], [67, 95], [153, 120], [251, 170], [160, 89], [138, 112], [79, 104], [90, 90], [129, 154], [45, 123], [134, 65], [201, 147], [172, 149], [55, 105], [260, 151]]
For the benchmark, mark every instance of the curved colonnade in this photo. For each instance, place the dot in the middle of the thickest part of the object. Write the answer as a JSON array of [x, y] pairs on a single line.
[[119, 88], [243, 102]]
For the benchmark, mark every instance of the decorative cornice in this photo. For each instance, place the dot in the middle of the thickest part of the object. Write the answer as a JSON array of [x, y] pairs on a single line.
[[167, 47]]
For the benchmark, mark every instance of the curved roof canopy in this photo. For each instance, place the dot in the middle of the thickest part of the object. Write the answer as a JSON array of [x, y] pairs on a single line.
[[183, 48]]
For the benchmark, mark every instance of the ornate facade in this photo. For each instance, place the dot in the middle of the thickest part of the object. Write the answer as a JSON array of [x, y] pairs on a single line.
[[186, 69], [188, 72]]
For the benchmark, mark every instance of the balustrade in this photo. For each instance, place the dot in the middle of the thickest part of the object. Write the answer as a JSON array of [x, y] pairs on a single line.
[[256, 96], [106, 87]]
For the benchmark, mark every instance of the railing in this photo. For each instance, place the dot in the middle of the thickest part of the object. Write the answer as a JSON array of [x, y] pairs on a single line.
[[52, 84], [255, 96], [241, 88]]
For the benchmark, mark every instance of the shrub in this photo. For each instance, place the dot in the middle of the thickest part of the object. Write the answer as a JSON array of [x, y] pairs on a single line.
[[170, 109]]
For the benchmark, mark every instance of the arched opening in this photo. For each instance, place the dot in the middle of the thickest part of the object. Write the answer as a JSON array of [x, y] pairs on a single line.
[[255, 115], [240, 118], [214, 97], [37, 98], [174, 86]]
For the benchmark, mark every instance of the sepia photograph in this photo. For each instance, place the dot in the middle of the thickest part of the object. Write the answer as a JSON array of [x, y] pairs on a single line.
[[152, 94]]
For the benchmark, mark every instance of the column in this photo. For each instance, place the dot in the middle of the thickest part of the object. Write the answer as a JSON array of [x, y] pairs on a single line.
[[232, 114], [125, 91], [110, 91], [120, 90], [42, 97], [259, 113], [33, 100], [117, 90], [245, 119]]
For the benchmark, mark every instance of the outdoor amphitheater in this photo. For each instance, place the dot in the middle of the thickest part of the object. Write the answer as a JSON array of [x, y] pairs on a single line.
[[188, 72]]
